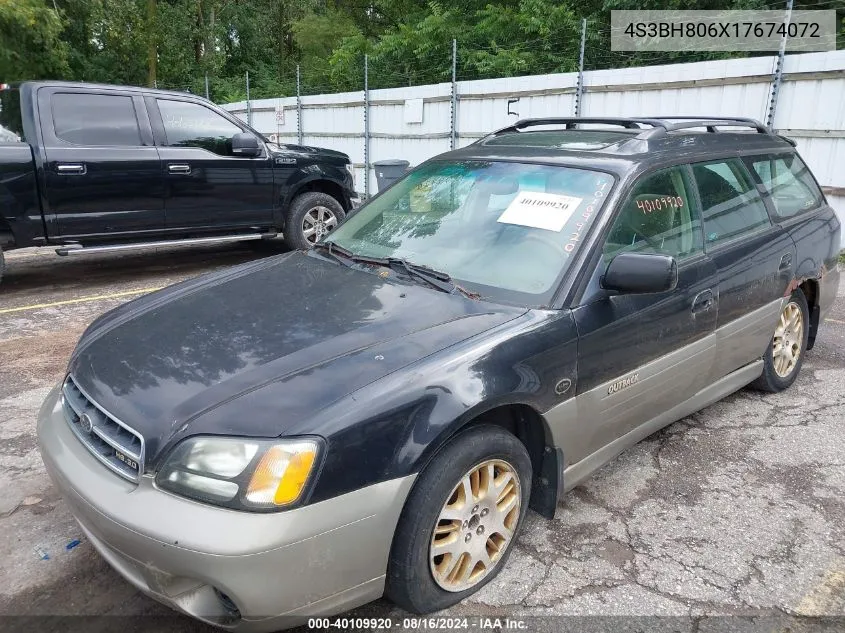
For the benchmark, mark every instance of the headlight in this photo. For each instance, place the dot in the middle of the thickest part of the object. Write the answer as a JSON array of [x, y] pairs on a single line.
[[240, 473]]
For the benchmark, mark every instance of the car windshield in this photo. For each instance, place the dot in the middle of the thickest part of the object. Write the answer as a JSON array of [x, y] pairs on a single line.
[[503, 230]]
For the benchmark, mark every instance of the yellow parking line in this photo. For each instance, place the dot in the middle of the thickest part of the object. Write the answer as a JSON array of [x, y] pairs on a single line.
[[114, 295], [835, 321], [826, 597]]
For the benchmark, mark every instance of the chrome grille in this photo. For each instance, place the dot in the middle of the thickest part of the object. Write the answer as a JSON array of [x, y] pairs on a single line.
[[113, 443]]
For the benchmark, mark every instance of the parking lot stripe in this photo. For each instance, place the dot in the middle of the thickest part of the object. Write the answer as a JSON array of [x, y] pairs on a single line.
[[826, 597], [55, 304], [834, 321]]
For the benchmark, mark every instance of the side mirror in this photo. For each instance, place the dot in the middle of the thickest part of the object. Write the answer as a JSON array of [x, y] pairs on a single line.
[[245, 144], [641, 273]]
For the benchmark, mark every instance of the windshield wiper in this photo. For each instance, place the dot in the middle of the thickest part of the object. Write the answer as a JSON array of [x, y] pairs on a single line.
[[347, 257], [433, 278], [332, 249], [338, 253]]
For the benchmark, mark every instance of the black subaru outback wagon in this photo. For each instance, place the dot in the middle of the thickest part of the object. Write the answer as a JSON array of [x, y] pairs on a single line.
[[302, 434]]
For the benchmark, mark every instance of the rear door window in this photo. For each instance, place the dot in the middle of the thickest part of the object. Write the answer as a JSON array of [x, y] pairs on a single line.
[[95, 119], [730, 204], [789, 183]]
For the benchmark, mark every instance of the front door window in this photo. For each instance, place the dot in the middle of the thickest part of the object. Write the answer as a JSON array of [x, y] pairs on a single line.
[[658, 216], [193, 125]]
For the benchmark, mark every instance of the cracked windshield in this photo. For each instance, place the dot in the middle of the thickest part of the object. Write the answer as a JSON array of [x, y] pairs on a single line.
[[504, 230]]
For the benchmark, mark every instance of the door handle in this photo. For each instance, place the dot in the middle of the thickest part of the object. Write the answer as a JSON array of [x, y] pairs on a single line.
[[179, 168], [786, 262], [703, 301], [70, 169]]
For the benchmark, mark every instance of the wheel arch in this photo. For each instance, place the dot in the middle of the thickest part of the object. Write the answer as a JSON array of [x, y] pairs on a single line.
[[532, 429], [810, 288], [321, 184], [7, 237]]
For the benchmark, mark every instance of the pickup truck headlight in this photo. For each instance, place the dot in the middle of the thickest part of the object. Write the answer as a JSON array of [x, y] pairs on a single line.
[[240, 473]]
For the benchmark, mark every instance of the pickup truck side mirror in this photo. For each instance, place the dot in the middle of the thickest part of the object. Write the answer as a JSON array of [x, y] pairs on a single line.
[[245, 144], [640, 273]]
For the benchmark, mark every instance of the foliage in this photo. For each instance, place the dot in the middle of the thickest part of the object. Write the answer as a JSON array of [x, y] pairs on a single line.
[[29, 41], [178, 43]]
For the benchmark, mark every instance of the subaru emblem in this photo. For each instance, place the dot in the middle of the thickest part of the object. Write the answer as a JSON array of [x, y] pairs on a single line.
[[86, 422]]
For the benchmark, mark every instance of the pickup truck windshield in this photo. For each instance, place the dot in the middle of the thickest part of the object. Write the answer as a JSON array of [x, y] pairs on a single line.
[[504, 230], [11, 128]]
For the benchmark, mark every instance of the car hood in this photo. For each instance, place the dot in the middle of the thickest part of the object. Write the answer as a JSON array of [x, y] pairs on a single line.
[[159, 363], [284, 150]]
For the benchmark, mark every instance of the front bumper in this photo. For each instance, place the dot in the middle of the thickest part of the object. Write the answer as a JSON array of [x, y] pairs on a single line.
[[274, 569]]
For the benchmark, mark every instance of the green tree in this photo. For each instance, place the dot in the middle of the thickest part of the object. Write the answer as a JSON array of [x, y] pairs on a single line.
[[30, 43], [315, 36], [177, 43]]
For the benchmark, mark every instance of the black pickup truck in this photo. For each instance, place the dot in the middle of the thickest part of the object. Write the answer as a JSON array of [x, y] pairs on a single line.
[[89, 167]]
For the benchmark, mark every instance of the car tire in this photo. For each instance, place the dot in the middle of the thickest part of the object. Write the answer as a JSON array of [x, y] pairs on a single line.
[[785, 353], [418, 578], [312, 210]]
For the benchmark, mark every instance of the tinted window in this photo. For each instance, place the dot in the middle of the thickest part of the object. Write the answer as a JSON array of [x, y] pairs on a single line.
[[90, 119], [193, 125], [730, 204], [658, 216], [789, 183], [11, 126]]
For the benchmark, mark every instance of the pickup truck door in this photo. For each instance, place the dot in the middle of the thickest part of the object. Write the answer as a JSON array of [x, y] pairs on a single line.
[[207, 186], [102, 174]]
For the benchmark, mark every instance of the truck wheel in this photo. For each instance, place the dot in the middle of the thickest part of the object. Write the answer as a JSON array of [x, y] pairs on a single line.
[[460, 520], [785, 354], [311, 216]]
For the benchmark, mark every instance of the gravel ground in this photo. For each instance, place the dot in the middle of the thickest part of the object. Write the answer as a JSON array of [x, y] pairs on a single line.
[[731, 519]]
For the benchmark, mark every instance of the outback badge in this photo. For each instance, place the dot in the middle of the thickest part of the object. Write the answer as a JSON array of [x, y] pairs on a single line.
[[624, 383]]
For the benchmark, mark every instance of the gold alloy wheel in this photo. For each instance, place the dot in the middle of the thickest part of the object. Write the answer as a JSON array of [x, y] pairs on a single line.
[[789, 336], [475, 526]]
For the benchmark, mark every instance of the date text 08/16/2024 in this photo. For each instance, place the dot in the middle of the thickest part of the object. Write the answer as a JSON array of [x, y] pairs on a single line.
[[419, 623]]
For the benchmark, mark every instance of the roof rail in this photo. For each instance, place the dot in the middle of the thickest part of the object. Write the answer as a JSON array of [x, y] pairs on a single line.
[[572, 122], [658, 126], [710, 123]]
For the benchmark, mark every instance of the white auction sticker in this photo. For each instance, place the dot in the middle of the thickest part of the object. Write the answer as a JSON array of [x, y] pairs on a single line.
[[547, 211]]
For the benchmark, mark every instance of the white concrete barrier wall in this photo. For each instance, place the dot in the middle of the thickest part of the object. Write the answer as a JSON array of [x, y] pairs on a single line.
[[811, 109]]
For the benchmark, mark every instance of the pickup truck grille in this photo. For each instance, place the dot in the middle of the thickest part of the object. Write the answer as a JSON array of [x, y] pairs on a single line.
[[117, 446]]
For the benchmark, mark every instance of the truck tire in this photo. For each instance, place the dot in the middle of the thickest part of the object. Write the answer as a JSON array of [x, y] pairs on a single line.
[[311, 216]]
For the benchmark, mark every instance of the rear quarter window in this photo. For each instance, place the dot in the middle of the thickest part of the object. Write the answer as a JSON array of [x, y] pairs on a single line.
[[788, 182], [11, 124]]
